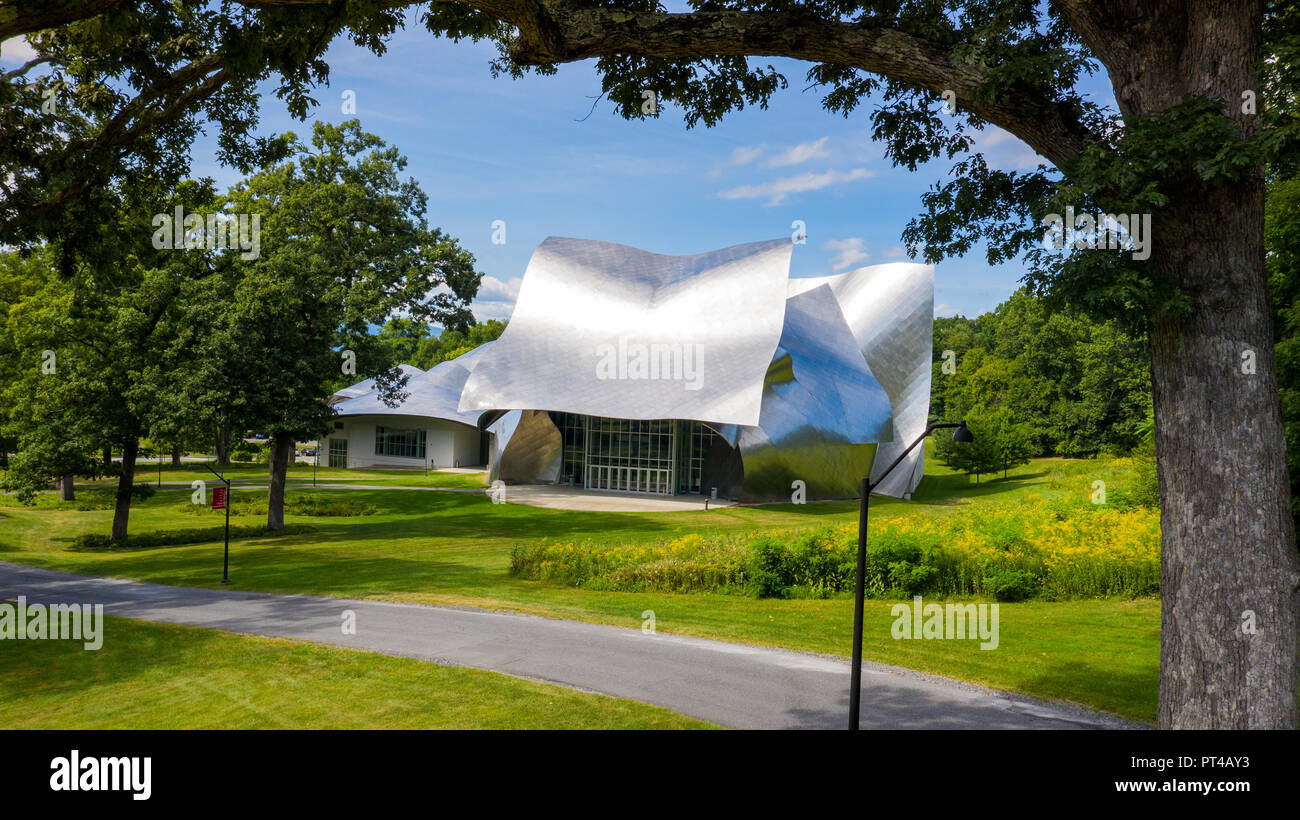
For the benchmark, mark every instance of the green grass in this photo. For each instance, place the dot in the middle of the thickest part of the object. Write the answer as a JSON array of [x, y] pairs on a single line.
[[453, 548], [161, 676], [299, 472]]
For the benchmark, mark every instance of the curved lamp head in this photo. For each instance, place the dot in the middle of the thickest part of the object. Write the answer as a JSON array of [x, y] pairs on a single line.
[[963, 433]]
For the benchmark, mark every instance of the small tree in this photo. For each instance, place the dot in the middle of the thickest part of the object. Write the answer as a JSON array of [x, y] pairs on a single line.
[[1000, 442], [1013, 440]]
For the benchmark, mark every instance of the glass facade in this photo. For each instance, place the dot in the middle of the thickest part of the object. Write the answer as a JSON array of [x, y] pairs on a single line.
[[573, 433], [338, 452], [659, 456], [401, 443], [696, 439]]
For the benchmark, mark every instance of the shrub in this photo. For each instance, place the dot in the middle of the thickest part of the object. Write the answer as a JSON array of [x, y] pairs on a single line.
[[175, 538], [249, 451], [314, 505], [1012, 585], [143, 492], [768, 569]]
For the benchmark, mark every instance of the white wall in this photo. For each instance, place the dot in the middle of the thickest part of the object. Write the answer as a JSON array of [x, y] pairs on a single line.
[[448, 444]]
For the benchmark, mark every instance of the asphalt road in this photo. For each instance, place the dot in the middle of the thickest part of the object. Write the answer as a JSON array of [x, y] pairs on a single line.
[[729, 684]]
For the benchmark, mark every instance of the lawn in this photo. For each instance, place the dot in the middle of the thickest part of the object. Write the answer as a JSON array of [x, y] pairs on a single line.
[[453, 548], [299, 472], [161, 676]]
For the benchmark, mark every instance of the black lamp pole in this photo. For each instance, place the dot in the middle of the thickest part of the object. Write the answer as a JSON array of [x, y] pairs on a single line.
[[225, 558], [962, 433]]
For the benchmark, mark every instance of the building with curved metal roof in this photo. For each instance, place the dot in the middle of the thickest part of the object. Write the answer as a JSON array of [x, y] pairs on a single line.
[[631, 371]]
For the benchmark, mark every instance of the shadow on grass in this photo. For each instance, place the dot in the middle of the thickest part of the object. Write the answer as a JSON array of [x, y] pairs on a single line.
[[131, 652], [1138, 692], [952, 489], [162, 539]]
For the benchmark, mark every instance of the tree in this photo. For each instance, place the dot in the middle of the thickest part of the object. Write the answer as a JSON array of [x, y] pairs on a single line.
[[1000, 443], [86, 357], [1081, 387], [1203, 89], [433, 350], [344, 244], [119, 90]]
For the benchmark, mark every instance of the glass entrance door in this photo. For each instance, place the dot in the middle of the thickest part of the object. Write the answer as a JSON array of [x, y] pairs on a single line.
[[338, 452], [631, 456]]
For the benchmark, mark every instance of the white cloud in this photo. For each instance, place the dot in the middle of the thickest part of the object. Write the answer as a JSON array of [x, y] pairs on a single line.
[[16, 50], [945, 309], [492, 289], [895, 252], [800, 153], [491, 310], [496, 298], [740, 155], [848, 252], [777, 189]]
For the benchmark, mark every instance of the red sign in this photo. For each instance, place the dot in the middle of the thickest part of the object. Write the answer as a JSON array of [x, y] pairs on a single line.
[[218, 498]]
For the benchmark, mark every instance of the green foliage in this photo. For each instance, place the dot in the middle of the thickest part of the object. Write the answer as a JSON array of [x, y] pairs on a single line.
[[257, 452], [433, 350], [142, 492], [1068, 385], [1000, 443], [330, 215], [1012, 585], [1282, 241]]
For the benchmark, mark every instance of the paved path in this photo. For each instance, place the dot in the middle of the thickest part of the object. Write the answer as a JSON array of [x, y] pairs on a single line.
[[729, 684]]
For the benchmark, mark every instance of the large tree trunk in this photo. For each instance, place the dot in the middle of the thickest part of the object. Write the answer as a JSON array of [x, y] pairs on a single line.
[[1229, 568], [122, 509], [108, 455], [1230, 572], [67, 490], [176, 455], [282, 449]]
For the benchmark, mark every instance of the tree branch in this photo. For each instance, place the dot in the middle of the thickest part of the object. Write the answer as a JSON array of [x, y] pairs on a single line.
[[19, 17], [23, 69], [553, 31], [119, 134], [559, 31]]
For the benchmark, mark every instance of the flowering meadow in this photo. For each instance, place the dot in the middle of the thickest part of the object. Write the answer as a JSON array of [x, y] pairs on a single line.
[[1030, 548]]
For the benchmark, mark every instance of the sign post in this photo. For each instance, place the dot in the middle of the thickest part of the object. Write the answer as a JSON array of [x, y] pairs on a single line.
[[221, 500]]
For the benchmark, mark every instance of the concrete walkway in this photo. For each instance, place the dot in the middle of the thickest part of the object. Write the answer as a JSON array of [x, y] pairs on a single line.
[[729, 684]]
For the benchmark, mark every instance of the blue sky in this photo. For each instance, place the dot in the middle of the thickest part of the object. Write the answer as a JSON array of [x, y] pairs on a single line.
[[526, 152]]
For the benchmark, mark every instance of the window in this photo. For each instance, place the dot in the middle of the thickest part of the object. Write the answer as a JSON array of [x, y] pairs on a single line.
[[630, 455], [573, 433], [338, 452], [400, 443], [702, 439]]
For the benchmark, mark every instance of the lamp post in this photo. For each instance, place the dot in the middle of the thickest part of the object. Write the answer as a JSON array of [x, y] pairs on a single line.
[[961, 433], [225, 559]]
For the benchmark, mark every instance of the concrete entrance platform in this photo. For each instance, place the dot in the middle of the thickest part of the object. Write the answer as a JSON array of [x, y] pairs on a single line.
[[564, 497]]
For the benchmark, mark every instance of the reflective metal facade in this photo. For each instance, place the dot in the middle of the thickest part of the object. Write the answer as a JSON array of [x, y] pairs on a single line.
[[890, 309], [597, 324], [822, 409], [804, 378], [433, 393]]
